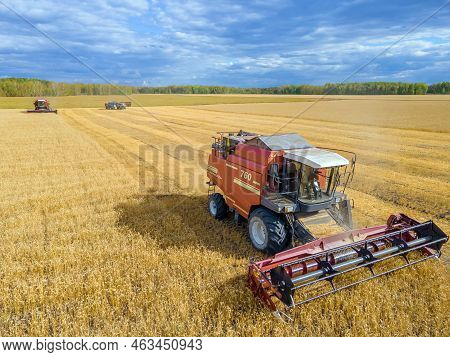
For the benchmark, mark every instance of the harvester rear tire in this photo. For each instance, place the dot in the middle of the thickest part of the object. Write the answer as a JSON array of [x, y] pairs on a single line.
[[267, 231], [217, 206]]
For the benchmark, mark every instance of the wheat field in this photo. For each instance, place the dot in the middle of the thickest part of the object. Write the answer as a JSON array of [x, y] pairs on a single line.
[[105, 231], [150, 100]]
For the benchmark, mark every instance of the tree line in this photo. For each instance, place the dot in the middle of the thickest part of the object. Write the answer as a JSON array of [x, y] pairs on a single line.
[[439, 88], [29, 87]]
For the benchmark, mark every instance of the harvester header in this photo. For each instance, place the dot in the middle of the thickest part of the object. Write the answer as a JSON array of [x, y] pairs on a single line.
[[308, 270]]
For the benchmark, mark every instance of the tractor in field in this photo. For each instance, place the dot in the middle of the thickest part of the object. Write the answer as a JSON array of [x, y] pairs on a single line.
[[42, 105], [284, 186]]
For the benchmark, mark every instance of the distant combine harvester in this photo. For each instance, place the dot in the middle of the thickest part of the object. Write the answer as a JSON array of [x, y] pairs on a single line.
[[113, 105], [42, 105]]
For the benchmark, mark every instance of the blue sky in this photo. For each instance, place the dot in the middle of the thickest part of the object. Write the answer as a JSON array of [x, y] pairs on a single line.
[[225, 42]]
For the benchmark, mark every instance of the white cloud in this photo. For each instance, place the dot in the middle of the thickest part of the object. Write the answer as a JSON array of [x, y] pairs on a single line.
[[95, 25], [225, 41]]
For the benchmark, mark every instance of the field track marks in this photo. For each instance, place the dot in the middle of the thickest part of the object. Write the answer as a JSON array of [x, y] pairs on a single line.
[[149, 136], [119, 145], [231, 121], [157, 131], [125, 149], [369, 149], [378, 141], [381, 175]]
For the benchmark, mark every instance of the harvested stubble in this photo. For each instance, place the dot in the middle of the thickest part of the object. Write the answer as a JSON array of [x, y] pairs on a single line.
[[84, 251]]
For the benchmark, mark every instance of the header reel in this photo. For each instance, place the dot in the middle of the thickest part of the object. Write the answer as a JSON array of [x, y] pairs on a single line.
[[306, 273]]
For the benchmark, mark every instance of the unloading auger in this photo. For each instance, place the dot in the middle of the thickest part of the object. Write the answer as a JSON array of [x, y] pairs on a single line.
[[313, 268]]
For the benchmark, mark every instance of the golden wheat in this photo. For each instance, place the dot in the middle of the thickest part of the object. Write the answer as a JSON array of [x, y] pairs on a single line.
[[86, 251]]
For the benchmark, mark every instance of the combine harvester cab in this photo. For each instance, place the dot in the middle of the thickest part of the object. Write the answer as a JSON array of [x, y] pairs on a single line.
[[284, 186], [306, 273], [42, 105]]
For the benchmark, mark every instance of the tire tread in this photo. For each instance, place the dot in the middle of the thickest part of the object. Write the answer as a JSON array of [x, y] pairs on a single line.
[[278, 235], [222, 207]]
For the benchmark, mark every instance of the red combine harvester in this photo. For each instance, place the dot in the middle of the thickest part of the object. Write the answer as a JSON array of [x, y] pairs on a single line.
[[285, 187], [42, 105]]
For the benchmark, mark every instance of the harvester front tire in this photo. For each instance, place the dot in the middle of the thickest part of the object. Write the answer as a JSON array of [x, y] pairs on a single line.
[[217, 206], [267, 231]]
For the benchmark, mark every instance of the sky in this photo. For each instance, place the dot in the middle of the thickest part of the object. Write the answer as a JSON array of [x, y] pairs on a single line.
[[253, 43]]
